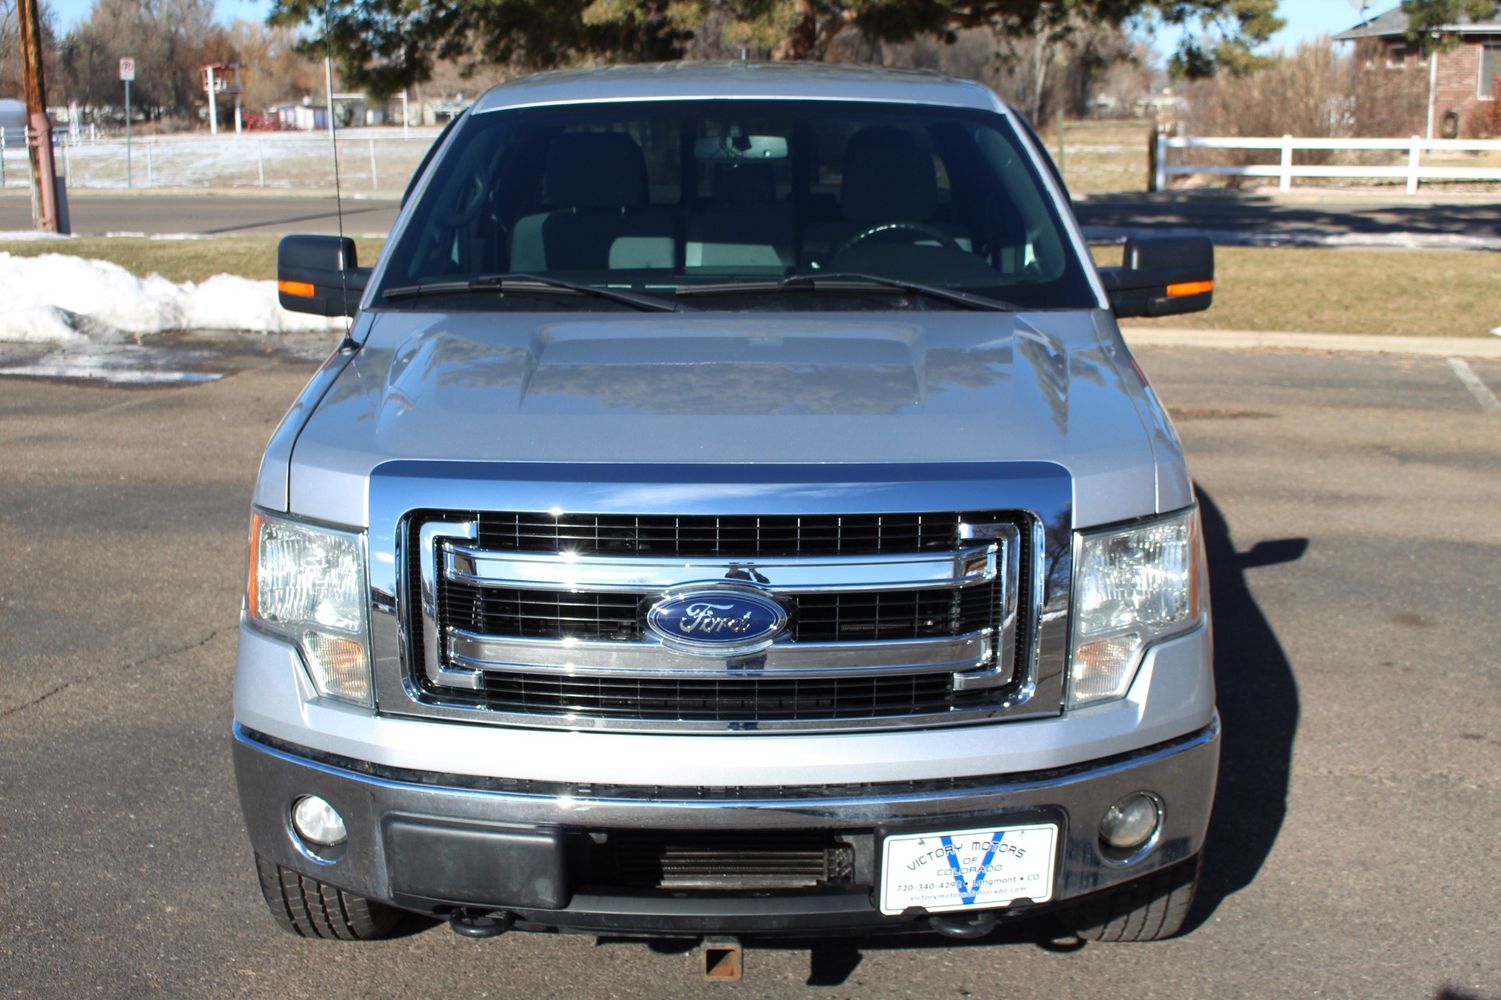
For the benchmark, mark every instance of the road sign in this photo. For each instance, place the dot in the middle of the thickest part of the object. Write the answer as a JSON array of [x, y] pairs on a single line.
[[127, 69]]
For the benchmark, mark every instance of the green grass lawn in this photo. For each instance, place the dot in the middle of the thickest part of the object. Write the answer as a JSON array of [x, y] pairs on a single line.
[[1409, 292], [1406, 292]]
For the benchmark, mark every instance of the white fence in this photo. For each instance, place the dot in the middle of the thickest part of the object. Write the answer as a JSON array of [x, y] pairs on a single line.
[[370, 160], [1413, 171]]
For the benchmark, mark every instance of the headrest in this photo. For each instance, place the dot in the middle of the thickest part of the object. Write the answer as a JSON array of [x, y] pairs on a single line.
[[887, 177], [594, 170], [744, 183]]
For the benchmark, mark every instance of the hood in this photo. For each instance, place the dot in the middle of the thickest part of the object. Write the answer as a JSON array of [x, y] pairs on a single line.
[[690, 388]]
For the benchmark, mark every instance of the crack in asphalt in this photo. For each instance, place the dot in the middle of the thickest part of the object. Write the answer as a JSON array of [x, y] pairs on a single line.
[[196, 644]]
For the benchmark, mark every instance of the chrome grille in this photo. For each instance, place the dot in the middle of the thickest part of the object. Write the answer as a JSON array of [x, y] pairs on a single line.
[[539, 618]]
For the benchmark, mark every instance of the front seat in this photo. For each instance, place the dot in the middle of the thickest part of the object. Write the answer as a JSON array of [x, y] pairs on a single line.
[[887, 177], [595, 187]]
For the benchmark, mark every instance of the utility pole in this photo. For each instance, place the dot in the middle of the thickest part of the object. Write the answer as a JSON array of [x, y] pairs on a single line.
[[1432, 79], [43, 169]]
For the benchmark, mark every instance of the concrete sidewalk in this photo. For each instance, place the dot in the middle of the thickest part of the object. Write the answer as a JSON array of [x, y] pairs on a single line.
[[1243, 340]]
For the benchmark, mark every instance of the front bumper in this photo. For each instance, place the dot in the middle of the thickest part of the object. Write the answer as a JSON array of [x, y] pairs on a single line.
[[435, 843]]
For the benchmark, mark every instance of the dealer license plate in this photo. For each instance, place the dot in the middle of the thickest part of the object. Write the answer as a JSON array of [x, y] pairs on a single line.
[[968, 869]]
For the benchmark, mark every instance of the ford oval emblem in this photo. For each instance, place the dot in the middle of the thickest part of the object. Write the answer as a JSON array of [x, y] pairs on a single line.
[[720, 622]]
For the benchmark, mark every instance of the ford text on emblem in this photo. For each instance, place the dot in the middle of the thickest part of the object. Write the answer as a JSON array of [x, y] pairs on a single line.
[[716, 622]]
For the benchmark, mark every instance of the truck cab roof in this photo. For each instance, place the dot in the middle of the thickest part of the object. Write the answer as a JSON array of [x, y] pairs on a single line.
[[742, 80]]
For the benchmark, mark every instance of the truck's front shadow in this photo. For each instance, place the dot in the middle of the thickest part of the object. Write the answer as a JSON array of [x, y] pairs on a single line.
[[1258, 703]]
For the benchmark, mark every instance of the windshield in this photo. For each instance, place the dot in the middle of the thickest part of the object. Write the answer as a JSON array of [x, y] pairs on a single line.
[[661, 197]]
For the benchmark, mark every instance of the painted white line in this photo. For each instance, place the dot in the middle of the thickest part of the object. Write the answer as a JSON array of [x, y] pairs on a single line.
[[1478, 389]]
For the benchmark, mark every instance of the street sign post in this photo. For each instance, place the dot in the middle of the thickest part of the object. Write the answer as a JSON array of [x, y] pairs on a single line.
[[127, 74]]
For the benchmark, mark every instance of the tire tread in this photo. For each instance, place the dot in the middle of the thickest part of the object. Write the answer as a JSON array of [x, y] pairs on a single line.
[[312, 908], [1148, 909]]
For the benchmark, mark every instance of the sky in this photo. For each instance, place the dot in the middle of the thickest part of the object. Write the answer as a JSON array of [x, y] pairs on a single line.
[[1305, 18], [71, 12]]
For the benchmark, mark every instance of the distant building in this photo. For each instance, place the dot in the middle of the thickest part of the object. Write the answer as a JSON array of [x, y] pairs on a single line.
[[1466, 79]]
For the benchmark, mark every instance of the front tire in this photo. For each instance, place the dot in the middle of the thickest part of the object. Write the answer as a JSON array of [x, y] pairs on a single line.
[[1152, 908], [312, 909]]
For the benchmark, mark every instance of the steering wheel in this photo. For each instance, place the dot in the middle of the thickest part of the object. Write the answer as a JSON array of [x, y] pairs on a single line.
[[883, 228]]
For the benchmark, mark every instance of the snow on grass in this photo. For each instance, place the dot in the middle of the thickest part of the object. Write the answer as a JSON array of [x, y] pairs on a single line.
[[57, 298]]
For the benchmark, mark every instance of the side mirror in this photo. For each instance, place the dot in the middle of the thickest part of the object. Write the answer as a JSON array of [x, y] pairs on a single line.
[[319, 275], [1162, 276]]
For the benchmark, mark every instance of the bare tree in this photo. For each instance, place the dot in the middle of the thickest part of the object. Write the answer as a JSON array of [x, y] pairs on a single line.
[[169, 39], [274, 71], [1057, 68]]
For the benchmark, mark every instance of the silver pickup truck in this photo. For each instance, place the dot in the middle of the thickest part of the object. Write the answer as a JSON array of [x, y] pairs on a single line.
[[733, 511]]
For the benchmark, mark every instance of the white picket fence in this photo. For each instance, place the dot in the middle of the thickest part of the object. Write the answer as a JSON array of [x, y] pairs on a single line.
[[1413, 171]]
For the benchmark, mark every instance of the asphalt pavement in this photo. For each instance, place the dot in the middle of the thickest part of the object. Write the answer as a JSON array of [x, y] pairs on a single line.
[[1355, 539], [1230, 219]]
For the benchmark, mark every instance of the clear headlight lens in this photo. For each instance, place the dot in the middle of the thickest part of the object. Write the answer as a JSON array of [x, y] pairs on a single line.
[[307, 584], [1134, 586]]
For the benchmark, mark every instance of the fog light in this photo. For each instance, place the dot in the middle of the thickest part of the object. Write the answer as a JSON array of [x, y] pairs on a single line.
[[317, 822], [1131, 822]]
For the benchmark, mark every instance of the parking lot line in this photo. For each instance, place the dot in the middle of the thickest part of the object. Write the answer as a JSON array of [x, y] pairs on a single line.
[[1478, 389]]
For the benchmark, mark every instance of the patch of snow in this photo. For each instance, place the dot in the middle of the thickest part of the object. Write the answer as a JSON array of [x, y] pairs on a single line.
[[33, 234], [56, 297], [119, 364], [227, 302], [94, 368], [39, 325]]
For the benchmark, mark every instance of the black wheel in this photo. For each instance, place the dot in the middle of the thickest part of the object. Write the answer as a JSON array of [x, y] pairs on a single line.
[[1149, 909], [313, 909]]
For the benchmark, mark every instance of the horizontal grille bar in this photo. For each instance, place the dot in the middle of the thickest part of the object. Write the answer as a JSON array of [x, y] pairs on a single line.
[[783, 660], [548, 614], [654, 575], [771, 535]]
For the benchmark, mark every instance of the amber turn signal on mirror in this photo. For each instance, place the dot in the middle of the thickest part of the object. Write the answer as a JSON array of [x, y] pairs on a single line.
[[1183, 288]]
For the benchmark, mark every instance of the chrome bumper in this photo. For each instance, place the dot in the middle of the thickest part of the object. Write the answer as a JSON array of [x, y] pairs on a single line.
[[426, 842]]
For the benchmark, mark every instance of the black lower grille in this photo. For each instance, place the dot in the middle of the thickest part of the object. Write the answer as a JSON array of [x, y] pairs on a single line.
[[727, 863], [734, 701]]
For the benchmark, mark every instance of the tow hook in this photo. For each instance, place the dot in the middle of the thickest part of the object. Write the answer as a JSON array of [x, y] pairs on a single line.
[[478, 924], [724, 959], [968, 929]]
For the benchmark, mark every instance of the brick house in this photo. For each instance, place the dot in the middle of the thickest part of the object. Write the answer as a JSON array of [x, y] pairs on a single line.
[[1466, 75]]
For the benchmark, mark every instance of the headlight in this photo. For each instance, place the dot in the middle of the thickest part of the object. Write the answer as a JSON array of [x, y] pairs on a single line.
[[307, 584], [1134, 586]]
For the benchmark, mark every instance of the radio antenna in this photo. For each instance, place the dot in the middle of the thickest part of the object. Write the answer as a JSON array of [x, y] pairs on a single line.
[[328, 80]]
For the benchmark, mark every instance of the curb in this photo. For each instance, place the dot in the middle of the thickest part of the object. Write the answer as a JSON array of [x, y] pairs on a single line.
[[1256, 340]]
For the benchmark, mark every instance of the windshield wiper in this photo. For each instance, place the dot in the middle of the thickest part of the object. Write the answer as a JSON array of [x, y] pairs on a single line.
[[532, 284], [851, 281]]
